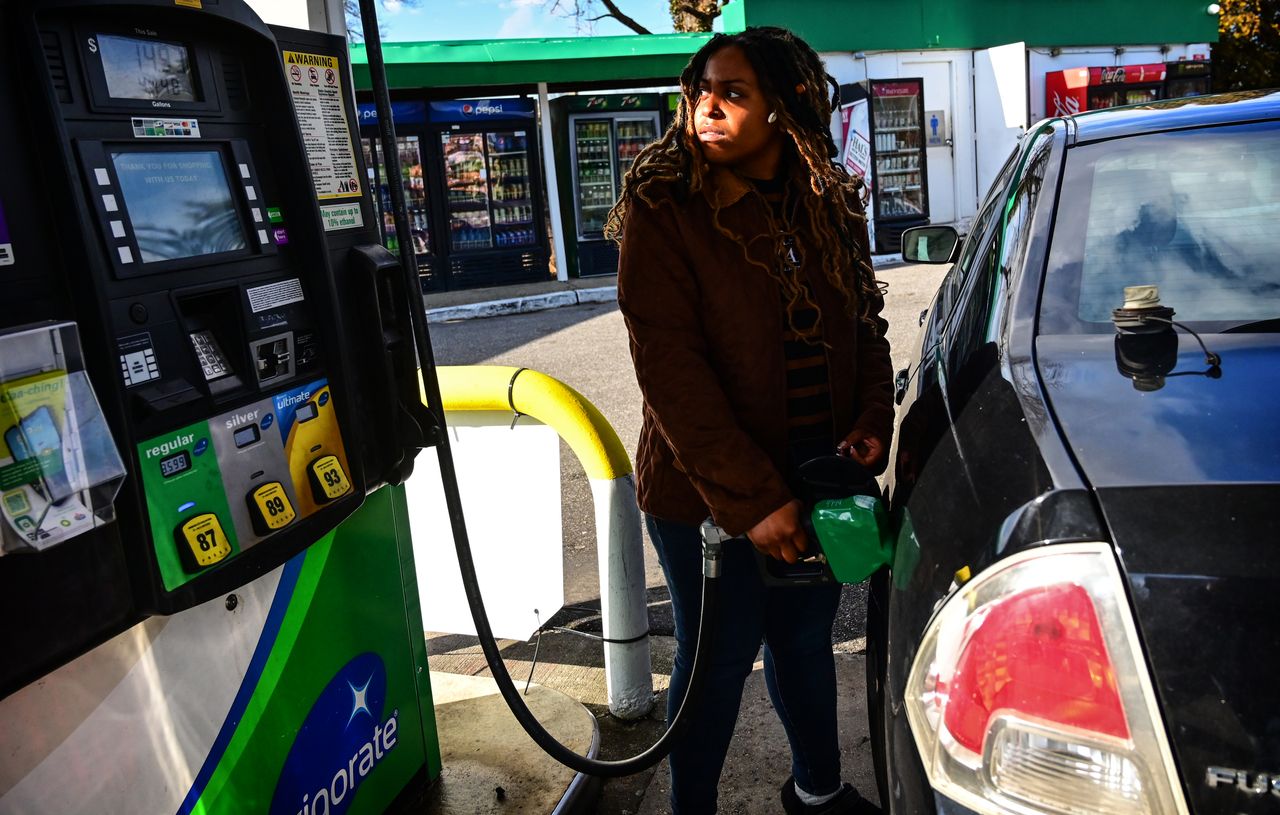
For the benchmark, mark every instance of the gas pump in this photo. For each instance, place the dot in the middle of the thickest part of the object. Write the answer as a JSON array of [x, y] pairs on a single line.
[[208, 394]]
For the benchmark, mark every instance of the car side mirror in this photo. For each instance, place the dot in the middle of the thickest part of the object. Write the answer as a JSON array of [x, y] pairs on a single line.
[[930, 244]]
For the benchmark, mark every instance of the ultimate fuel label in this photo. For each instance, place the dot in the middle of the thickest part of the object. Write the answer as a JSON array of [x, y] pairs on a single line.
[[315, 81]]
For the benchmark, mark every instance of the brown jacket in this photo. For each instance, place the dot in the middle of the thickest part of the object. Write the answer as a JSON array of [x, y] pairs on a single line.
[[706, 337]]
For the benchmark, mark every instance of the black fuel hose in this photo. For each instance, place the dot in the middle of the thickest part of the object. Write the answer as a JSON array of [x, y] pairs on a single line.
[[449, 480], [712, 553]]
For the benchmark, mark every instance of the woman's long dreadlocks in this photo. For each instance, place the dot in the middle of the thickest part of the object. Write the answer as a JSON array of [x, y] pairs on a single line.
[[794, 81]]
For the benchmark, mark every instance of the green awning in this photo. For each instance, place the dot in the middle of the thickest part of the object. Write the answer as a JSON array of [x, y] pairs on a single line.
[[652, 58]]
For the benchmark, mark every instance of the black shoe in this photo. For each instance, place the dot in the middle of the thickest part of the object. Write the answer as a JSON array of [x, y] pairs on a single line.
[[847, 802]]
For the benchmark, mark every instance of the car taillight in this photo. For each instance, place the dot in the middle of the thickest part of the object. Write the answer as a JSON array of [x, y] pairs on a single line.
[[1028, 693]]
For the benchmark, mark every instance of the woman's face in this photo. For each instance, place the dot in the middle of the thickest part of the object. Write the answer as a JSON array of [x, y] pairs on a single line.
[[731, 117]]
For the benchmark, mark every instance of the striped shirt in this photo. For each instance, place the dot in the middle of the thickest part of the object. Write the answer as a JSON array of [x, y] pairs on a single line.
[[809, 414]]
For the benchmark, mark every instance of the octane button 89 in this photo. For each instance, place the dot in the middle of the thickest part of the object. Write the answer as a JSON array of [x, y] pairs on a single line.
[[270, 507]]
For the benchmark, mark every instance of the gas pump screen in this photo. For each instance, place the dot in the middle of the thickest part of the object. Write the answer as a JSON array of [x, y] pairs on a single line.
[[179, 203], [147, 69]]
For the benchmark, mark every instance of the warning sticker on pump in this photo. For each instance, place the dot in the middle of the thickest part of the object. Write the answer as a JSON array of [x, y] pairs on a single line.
[[316, 86], [6, 248], [274, 295], [341, 216]]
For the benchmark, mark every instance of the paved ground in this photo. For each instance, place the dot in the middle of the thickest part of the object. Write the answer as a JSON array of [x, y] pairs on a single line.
[[585, 346]]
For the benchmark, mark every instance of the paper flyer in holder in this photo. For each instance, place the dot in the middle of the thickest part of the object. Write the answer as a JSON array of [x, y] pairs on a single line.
[[60, 469]]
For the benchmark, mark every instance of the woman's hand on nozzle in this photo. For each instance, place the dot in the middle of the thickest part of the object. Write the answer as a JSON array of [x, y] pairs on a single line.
[[780, 535], [862, 447]]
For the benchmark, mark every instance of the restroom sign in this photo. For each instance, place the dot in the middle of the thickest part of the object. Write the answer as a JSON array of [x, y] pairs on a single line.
[[935, 128]]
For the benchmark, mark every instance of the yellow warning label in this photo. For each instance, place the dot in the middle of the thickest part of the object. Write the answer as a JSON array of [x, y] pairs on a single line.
[[299, 58], [189, 3], [315, 82]]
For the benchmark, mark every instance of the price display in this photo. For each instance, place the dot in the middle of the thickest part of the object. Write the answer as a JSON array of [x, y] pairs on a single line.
[[177, 463], [147, 69]]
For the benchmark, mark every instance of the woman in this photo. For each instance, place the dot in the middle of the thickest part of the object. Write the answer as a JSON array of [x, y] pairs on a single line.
[[753, 316]]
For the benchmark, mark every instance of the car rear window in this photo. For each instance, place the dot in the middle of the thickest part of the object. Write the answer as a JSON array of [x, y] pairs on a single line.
[[1195, 212]]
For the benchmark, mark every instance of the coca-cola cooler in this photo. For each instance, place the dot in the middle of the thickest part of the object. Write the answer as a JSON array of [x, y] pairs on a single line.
[[1075, 90], [895, 129], [1187, 78]]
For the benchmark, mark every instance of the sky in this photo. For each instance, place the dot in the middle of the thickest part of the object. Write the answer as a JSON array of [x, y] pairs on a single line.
[[497, 19]]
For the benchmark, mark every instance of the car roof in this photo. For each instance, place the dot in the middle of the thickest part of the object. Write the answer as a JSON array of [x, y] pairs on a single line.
[[1170, 114]]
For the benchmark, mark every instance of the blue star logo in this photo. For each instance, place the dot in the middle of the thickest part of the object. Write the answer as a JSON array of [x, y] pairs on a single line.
[[359, 700]]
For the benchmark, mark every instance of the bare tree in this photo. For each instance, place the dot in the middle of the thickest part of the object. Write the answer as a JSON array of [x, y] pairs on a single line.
[[585, 14], [686, 15], [695, 15]]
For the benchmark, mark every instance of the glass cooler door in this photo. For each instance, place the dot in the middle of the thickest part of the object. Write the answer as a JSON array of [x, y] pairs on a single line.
[[511, 188], [899, 150], [415, 192], [632, 136], [466, 191], [593, 174]]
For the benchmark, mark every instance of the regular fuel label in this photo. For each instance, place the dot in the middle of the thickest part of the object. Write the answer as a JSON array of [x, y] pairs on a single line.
[[315, 82]]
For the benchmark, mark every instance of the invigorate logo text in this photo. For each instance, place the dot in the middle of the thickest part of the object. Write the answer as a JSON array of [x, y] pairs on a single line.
[[342, 740]]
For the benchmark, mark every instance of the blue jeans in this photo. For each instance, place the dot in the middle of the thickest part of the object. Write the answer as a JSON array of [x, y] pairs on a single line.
[[799, 667]]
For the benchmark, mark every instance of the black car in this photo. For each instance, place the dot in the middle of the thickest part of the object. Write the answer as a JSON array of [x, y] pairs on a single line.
[[1083, 610]]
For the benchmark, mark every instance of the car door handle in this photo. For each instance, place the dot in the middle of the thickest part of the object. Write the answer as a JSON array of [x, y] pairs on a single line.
[[923, 315], [900, 383]]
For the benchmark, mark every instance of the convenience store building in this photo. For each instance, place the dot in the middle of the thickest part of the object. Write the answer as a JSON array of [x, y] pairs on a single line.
[[983, 68]]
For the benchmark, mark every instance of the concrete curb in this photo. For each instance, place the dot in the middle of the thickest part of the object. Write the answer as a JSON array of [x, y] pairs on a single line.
[[522, 305], [568, 297]]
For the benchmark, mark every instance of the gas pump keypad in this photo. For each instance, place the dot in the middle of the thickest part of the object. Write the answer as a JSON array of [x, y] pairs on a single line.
[[328, 480], [201, 541], [270, 508]]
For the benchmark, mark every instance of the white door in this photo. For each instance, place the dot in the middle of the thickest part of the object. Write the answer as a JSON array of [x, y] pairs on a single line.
[[1000, 107], [939, 84]]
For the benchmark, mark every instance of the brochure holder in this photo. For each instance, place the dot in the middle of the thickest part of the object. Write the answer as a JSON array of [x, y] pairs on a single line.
[[60, 469]]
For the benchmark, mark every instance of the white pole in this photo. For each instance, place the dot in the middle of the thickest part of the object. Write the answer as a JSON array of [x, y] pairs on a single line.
[[553, 185], [624, 614]]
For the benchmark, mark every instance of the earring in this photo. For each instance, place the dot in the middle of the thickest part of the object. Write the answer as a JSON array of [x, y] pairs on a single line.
[[773, 116]]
